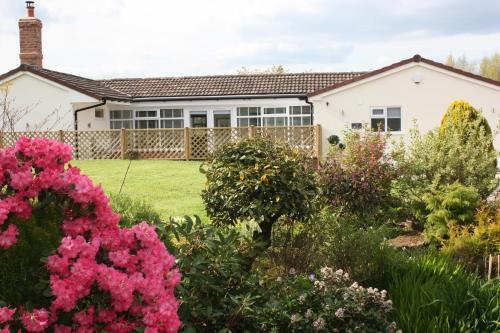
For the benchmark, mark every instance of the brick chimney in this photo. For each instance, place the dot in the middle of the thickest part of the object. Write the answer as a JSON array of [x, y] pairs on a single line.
[[30, 37]]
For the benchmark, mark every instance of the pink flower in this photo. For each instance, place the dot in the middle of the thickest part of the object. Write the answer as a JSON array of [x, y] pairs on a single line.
[[35, 321], [6, 314]]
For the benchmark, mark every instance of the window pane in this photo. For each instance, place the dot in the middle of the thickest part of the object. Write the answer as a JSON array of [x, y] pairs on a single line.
[[254, 111], [166, 113], [115, 114], [254, 121], [112, 125], [393, 112], [295, 109], [127, 124], [141, 124], [306, 121], [127, 114], [268, 121], [296, 121], [242, 111], [178, 123], [280, 121], [394, 124], [178, 113], [378, 124], [378, 112], [243, 122], [281, 110], [306, 109], [222, 120], [269, 110], [152, 123], [166, 123], [152, 114]]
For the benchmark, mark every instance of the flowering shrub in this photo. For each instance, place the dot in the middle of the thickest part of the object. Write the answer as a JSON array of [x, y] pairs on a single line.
[[100, 277], [359, 177], [327, 302]]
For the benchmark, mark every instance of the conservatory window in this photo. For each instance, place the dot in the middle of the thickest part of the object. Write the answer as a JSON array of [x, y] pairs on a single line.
[[121, 119], [249, 116], [171, 118], [275, 116], [300, 115], [146, 119]]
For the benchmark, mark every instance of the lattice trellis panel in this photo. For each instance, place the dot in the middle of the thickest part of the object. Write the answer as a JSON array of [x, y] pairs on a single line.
[[10, 138], [161, 144], [302, 137], [97, 145], [199, 143]]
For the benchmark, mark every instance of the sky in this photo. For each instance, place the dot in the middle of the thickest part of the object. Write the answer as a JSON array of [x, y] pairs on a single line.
[[150, 38]]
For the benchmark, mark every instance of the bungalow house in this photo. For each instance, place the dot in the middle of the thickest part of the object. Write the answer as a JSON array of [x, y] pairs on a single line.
[[391, 97]]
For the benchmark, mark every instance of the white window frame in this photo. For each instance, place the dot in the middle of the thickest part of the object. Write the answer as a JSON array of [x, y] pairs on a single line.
[[274, 115], [147, 118], [121, 120], [248, 116], [300, 115], [172, 118], [384, 116]]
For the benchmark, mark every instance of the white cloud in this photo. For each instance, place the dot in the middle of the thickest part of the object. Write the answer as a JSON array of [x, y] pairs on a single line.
[[112, 38]]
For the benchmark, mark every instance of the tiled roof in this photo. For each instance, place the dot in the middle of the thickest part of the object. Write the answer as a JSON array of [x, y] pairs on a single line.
[[228, 85], [85, 86]]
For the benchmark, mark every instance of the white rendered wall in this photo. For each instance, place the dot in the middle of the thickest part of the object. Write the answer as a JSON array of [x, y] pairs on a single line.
[[425, 102], [50, 104]]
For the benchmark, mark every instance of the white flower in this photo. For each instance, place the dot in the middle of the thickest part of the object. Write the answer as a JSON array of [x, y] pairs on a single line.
[[320, 285], [279, 279], [327, 272], [309, 313], [339, 313], [355, 285], [294, 318], [319, 324], [302, 299], [292, 271]]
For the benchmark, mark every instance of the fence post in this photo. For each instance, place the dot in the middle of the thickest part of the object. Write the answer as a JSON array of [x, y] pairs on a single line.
[[319, 140], [251, 132], [123, 142], [187, 146], [1, 139], [61, 136]]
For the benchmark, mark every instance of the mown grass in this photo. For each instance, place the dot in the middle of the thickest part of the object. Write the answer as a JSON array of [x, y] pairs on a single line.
[[173, 188]]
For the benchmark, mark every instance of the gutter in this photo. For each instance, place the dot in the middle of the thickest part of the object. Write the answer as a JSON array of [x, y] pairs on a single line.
[[75, 113], [196, 98]]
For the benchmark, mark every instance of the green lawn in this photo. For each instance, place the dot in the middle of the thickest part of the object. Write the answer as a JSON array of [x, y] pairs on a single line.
[[172, 187]]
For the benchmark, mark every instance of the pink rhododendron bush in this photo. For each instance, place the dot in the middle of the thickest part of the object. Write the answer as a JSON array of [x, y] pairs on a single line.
[[66, 265]]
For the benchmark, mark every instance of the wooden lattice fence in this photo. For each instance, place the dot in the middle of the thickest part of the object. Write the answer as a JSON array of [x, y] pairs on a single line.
[[187, 143]]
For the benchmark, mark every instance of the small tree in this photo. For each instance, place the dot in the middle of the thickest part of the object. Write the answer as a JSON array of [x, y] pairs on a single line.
[[463, 117], [261, 180]]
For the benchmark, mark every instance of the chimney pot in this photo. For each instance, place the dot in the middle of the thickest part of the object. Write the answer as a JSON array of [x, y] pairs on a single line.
[[30, 6]]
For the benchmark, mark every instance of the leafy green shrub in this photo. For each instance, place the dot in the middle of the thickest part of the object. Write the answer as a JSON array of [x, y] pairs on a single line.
[[432, 294], [133, 211], [451, 206], [340, 241], [260, 180], [326, 302], [442, 157], [24, 277], [358, 178], [471, 244], [218, 289], [333, 140]]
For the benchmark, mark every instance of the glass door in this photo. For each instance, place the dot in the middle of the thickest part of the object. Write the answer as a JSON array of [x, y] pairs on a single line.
[[198, 119]]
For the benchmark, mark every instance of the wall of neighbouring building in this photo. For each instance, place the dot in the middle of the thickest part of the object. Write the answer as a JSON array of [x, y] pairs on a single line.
[[425, 102]]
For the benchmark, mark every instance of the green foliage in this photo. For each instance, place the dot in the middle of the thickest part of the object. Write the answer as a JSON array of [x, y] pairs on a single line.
[[464, 118], [471, 244], [434, 295], [328, 301], [490, 66], [218, 290], [133, 211], [451, 206], [260, 180], [436, 159], [25, 280], [358, 178]]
